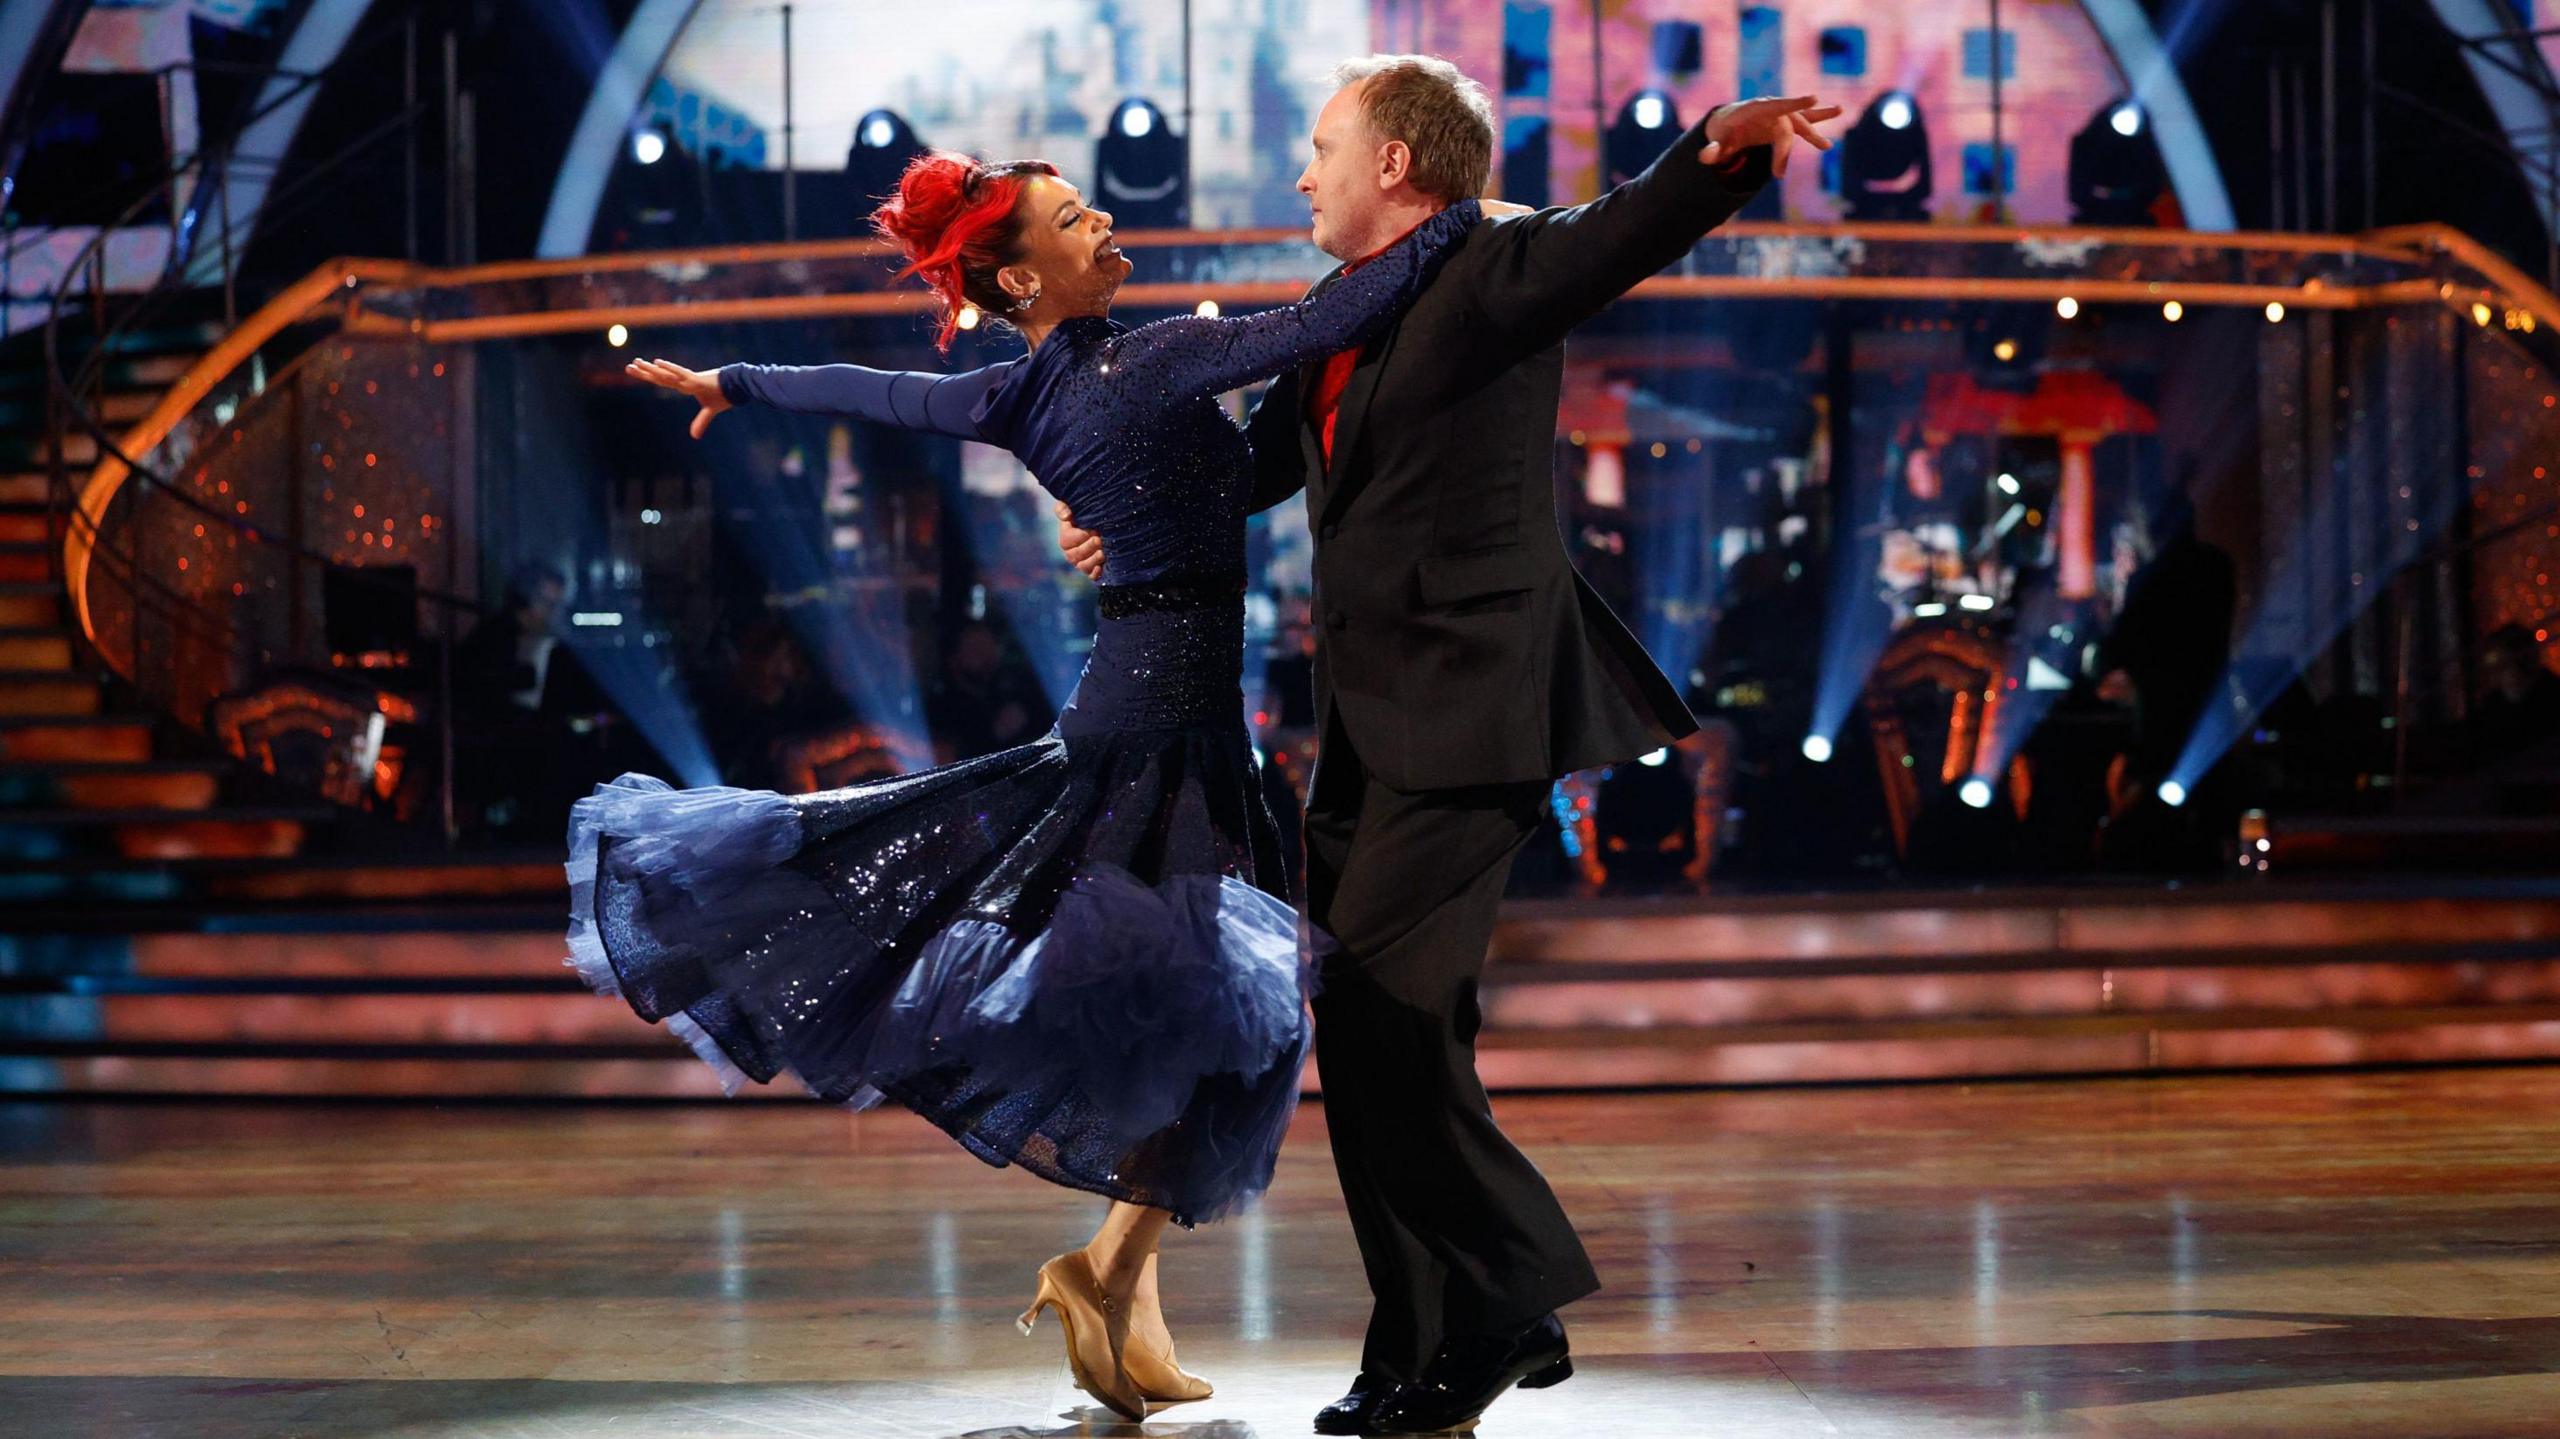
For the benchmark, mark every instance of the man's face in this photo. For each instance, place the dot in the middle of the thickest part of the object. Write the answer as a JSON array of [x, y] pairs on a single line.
[[544, 604], [1341, 178]]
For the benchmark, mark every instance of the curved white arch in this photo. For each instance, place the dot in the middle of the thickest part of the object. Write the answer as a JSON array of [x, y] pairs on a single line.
[[2522, 112], [578, 189], [316, 42], [2152, 76]]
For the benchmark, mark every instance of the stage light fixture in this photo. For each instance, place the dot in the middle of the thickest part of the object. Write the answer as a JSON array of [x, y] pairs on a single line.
[[1885, 167], [1978, 603], [883, 146], [1645, 124], [1656, 759], [648, 147], [1817, 748], [1142, 169], [2008, 483], [2115, 174], [2172, 793], [1976, 792]]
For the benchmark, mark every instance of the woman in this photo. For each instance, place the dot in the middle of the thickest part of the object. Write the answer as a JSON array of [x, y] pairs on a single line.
[[1071, 955]]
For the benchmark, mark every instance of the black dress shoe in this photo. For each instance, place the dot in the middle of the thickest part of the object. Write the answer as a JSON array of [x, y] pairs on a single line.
[[1357, 1411], [1468, 1374]]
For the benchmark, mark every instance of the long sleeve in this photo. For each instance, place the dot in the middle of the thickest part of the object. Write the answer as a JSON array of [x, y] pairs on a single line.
[[912, 399], [1556, 268], [1198, 355], [1279, 454]]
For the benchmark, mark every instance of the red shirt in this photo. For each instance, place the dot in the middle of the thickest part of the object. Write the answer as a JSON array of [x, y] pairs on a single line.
[[1324, 402]]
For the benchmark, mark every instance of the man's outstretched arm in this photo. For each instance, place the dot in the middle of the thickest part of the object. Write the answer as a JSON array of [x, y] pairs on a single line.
[[1557, 268]]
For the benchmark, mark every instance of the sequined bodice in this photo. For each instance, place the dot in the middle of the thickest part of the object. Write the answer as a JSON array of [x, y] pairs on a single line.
[[1124, 425]]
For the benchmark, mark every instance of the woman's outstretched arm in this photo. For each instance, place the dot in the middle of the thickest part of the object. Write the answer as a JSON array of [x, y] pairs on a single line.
[[911, 399], [1202, 355]]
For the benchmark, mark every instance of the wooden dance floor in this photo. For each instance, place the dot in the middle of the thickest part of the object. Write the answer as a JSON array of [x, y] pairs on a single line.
[[2313, 1255]]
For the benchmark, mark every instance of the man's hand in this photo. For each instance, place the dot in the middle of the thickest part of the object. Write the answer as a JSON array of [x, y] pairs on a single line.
[[1083, 548], [700, 386], [1777, 124]]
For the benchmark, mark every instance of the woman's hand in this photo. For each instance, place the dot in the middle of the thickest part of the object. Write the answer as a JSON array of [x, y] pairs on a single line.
[[700, 386], [1503, 209], [1777, 124]]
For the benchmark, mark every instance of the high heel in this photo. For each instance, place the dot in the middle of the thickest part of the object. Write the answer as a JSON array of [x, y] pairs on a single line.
[[1068, 1286], [1159, 1375]]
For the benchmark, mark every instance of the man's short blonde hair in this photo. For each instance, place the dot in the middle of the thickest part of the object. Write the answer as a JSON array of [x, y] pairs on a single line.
[[1443, 118]]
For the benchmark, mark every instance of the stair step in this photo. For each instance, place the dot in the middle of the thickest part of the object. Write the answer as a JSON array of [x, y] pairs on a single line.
[[180, 836], [39, 694], [30, 525], [30, 648], [26, 488], [94, 738], [183, 786], [25, 563]]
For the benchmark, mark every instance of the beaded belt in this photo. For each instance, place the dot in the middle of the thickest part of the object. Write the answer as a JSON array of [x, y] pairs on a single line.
[[1176, 592]]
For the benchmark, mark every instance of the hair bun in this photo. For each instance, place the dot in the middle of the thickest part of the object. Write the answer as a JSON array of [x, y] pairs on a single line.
[[953, 219]]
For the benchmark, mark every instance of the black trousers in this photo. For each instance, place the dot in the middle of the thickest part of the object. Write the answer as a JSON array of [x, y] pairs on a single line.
[[1457, 1229]]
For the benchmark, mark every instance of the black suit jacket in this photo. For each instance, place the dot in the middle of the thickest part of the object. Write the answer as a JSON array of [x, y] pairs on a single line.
[[1455, 641]]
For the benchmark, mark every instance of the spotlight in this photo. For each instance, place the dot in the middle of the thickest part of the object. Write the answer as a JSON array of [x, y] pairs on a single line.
[[2173, 312], [651, 517], [1978, 603], [648, 147], [2008, 483], [617, 335], [1976, 792], [2173, 794], [2275, 312], [883, 144], [968, 317], [2005, 351], [1817, 748], [1142, 169], [1656, 759], [2115, 175], [2481, 315], [1885, 169], [1206, 309], [2067, 307], [1645, 124]]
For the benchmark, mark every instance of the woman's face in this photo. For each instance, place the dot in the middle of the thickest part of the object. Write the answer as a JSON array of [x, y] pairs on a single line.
[[1067, 255]]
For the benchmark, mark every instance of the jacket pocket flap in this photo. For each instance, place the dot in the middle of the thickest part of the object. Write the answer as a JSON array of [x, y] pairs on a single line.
[[1473, 575]]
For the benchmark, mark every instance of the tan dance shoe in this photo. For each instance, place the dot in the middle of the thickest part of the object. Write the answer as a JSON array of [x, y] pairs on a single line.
[[1094, 1352], [1159, 1375]]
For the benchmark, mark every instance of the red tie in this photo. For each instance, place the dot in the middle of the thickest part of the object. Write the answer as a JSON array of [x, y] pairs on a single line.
[[1325, 405]]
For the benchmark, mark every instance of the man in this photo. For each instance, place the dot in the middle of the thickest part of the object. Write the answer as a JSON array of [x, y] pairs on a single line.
[[1461, 666]]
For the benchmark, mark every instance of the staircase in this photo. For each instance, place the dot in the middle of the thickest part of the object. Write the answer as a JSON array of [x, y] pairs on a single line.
[[450, 1000], [96, 795]]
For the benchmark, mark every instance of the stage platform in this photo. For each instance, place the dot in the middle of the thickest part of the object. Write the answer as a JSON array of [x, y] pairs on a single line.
[[2323, 1256], [302, 981]]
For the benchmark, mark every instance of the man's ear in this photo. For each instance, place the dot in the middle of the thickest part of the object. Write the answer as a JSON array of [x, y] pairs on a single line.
[[1395, 164]]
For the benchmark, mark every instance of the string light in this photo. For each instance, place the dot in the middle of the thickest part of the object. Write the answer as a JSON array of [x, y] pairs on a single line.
[[2173, 312]]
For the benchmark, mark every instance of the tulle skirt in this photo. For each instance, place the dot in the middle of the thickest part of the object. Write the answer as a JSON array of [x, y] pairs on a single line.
[[1070, 955]]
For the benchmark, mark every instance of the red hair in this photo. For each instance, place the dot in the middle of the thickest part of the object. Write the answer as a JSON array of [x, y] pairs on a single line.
[[954, 219]]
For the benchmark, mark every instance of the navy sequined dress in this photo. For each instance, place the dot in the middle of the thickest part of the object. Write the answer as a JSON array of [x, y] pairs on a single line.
[[1072, 955]]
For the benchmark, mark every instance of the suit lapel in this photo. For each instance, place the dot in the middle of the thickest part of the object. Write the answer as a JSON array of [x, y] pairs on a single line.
[[1351, 414]]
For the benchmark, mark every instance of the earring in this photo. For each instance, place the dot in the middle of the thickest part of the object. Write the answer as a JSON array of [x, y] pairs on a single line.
[[1027, 301]]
